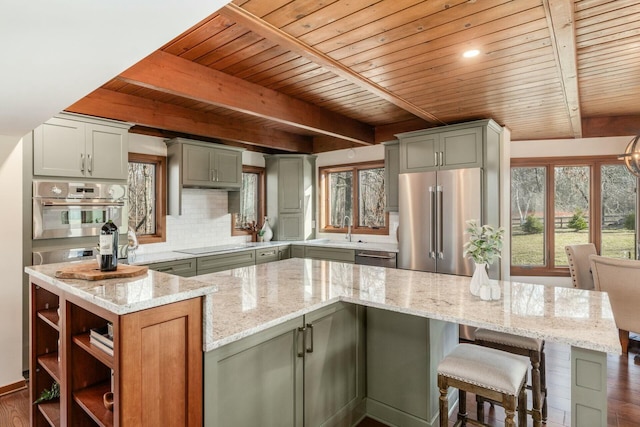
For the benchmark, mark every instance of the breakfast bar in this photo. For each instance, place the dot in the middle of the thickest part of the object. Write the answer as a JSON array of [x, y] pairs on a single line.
[[314, 311]]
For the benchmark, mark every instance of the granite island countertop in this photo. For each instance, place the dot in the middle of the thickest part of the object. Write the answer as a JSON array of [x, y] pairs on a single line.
[[127, 295], [270, 294], [245, 301]]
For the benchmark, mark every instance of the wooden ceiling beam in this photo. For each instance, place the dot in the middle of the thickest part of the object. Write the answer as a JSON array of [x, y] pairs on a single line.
[[562, 30], [594, 127], [276, 35], [145, 112], [173, 75]]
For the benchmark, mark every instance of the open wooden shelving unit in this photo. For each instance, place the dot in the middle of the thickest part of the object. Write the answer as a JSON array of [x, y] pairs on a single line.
[[62, 352]]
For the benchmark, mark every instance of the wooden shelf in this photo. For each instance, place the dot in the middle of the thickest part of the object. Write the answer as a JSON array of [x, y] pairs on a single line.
[[90, 399], [51, 412], [50, 317], [51, 364], [84, 342]]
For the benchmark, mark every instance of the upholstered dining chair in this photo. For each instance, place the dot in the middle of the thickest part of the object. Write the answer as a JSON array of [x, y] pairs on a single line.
[[579, 267], [620, 278]]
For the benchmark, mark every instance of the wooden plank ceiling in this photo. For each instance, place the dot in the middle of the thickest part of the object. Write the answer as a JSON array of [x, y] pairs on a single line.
[[310, 76]]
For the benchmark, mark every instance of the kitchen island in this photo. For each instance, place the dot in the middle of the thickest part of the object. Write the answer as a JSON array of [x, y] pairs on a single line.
[[243, 304]]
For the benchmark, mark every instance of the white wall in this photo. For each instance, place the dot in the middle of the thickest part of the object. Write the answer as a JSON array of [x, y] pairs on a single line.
[[11, 261]]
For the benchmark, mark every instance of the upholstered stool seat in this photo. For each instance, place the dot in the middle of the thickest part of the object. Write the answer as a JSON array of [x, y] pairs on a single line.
[[533, 349], [490, 373]]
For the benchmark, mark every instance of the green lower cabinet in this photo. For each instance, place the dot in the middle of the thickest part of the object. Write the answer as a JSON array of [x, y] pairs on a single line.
[[403, 353], [184, 267], [308, 371], [226, 261]]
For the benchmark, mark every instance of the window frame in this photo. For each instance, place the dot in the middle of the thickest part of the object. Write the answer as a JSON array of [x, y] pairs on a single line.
[[160, 197], [262, 200], [595, 212], [324, 193]]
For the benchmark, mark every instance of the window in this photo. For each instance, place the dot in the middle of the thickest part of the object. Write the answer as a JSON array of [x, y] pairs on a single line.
[[252, 202], [353, 193], [562, 201], [147, 190]]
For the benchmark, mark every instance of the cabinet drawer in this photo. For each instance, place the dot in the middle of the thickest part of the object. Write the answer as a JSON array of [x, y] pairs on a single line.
[[266, 255], [330, 254], [183, 267], [213, 263]]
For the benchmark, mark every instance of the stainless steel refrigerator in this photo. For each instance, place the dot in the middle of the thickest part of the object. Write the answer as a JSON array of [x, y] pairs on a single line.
[[433, 210]]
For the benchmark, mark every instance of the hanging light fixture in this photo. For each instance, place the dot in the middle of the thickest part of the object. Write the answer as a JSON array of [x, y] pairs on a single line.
[[631, 156]]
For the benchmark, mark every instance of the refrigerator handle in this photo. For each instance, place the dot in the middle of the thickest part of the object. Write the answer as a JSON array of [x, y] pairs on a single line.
[[440, 229], [433, 222]]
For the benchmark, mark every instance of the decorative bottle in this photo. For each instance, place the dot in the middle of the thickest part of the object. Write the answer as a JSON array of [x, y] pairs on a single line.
[[267, 231], [109, 247]]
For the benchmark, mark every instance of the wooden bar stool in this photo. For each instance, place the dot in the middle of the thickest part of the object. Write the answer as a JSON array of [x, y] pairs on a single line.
[[533, 349], [490, 373]]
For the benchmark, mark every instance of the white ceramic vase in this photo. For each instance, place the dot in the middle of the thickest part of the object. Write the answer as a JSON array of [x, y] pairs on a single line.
[[479, 278], [268, 232]]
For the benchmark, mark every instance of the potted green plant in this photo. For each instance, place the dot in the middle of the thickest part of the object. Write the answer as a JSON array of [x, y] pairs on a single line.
[[484, 247]]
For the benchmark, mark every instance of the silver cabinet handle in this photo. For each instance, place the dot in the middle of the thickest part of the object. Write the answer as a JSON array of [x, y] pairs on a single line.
[[81, 162], [435, 158], [268, 253], [301, 333], [310, 329], [440, 212], [89, 164], [441, 156], [217, 175], [164, 269], [433, 221]]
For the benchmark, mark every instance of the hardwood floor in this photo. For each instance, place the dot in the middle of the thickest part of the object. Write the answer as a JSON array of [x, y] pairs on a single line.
[[623, 394]]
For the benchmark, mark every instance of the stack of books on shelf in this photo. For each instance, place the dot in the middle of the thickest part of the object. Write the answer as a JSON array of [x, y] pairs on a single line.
[[101, 338]]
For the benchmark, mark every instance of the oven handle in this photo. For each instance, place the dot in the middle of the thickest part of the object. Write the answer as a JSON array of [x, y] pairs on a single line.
[[80, 203]]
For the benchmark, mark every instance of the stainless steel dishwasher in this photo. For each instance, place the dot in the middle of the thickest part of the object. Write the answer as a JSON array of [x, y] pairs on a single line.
[[377, 258]]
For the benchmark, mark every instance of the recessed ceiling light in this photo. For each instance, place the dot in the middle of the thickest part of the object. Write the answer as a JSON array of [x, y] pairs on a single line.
[[471, 53]]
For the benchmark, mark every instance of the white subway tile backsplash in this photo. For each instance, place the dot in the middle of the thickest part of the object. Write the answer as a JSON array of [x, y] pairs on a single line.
[[204, 222]]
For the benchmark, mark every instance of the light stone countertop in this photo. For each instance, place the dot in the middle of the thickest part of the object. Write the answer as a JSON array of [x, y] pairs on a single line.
[[270, 294], [247, 300], [128, 295], [150, 258]]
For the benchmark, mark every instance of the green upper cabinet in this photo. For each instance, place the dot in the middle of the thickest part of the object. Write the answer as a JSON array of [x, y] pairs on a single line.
[[199, 164], [448, 147], [291, 196], [72, 146], [391, 171]]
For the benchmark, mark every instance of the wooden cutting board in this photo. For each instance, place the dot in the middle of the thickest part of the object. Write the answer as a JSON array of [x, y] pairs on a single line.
[[89, 271]]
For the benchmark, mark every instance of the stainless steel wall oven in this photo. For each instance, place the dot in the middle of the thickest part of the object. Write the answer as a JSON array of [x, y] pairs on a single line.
[[76, 209]]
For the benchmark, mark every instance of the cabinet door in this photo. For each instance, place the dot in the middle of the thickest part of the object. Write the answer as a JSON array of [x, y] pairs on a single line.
[[228, 168], [291, 227], [58, 148], [331, 254], [213, 263], [106, 152], [284, 252], [419, 153], [461, 148], [391, 170], [266, 255], [333, 372], [184, 267], [256, 381], [161, 366], [290, 185], [197, 165]]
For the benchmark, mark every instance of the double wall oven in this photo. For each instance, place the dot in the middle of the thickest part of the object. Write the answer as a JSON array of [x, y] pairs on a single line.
[[69, 212]]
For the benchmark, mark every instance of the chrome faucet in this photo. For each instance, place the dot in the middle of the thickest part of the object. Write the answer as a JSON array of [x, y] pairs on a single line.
[[348, 220]]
